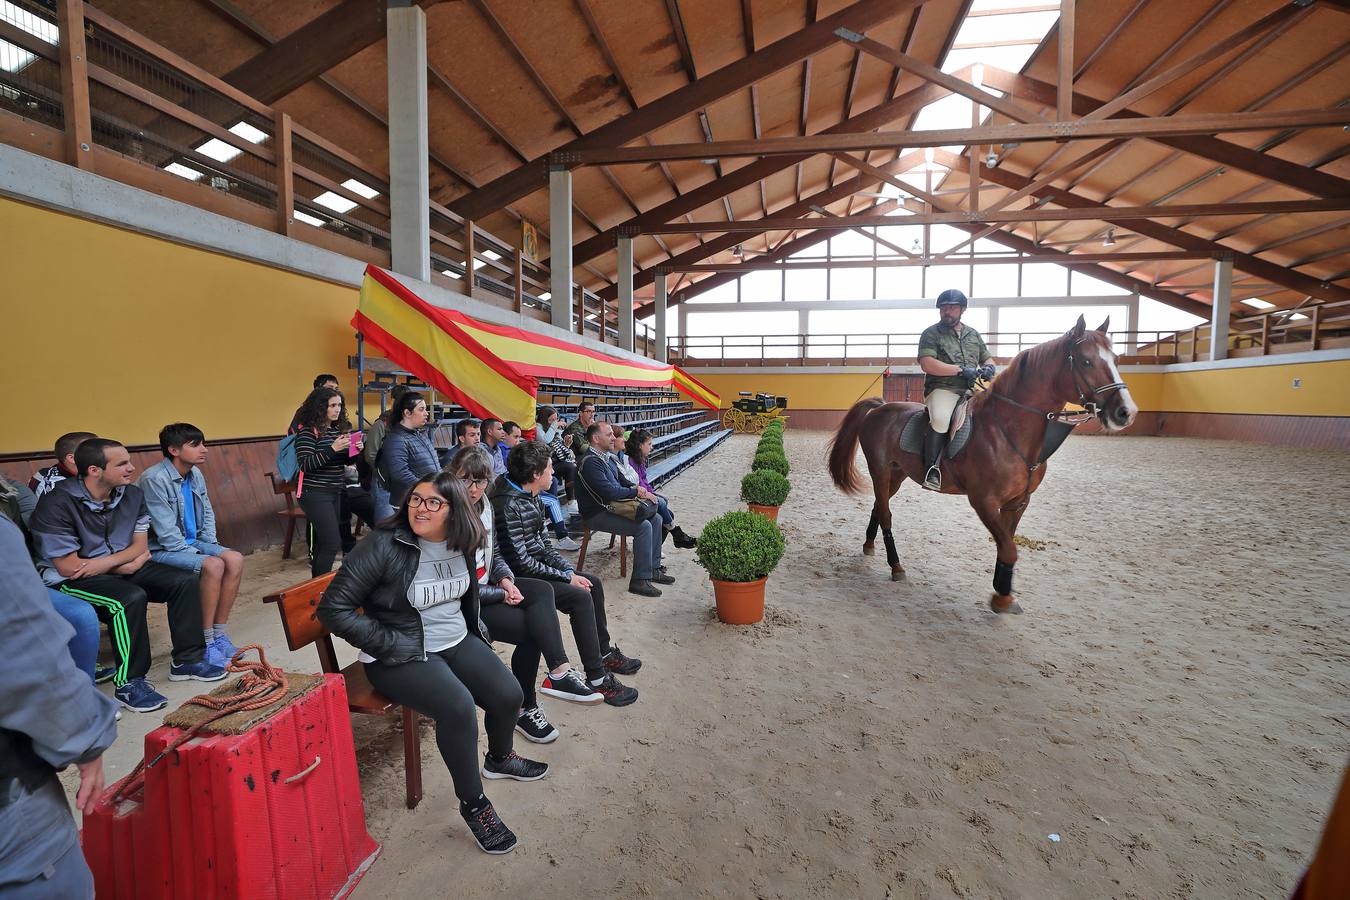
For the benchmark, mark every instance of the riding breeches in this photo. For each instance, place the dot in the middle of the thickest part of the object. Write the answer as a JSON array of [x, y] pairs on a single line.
[[941, 403]]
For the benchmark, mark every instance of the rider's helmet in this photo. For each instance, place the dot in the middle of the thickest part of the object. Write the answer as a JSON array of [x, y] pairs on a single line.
[[951, 295]]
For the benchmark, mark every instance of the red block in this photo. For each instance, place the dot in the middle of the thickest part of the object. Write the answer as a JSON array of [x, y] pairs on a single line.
[[272, 813]]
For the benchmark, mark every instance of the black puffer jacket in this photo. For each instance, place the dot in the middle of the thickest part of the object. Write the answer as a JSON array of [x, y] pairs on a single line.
[[375, 577], [521, 536]]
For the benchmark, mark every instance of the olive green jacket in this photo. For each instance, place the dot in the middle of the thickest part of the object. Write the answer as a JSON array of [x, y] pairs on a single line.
[[945, 345]]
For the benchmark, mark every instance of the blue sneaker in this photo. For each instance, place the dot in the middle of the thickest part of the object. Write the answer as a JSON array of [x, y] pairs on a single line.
[[224, 648], [139, 695], [104, 673], [201, 670]]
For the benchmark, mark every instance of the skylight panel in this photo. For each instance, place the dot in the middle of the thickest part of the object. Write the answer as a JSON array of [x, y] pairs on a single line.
[[12, 57], [335, 202], [308, 219], [248, 132], [1257, 303], [183, 171], [358, 187]]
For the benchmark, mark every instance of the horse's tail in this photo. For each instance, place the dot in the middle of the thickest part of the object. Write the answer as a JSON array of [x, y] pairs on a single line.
[[844, 445]]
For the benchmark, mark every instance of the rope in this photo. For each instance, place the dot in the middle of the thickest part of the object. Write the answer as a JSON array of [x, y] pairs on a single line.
[[260, 685]]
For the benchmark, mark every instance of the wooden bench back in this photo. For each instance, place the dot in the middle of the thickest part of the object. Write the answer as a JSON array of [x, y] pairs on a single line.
[[299, 606], [280, 487]]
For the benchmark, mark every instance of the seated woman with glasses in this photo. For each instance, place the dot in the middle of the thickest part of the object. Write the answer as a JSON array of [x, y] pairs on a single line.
[[521, 611], [407, 599]]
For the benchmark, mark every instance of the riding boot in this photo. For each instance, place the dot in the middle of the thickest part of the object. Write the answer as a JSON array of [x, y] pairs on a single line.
[[933, 445]]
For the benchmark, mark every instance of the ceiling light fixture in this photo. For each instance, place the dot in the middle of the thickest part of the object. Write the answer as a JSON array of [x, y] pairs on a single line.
[[992, 159], [1110, 238]]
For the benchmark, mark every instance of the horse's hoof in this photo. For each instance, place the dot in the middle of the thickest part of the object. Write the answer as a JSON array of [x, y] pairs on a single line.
[[869, 549], [1001, 604], [897, 573]]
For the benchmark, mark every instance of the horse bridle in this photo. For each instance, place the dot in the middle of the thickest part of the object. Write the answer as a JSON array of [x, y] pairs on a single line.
[[1090, 408]]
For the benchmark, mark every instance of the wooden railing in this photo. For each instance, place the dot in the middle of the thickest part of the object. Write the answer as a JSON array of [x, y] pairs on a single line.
[[884, 349], [86, 89]]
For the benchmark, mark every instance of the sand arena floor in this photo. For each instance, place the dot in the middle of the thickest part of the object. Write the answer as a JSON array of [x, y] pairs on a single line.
[[1173, 704]]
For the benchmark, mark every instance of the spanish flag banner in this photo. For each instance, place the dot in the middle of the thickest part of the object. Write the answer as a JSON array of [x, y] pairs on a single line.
[[492, 369]]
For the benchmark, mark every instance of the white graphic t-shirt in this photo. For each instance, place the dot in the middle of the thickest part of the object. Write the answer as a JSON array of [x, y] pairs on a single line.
[[441, 581]]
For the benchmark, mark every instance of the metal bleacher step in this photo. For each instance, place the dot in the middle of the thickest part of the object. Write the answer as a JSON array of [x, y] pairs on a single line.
[[668, 468]]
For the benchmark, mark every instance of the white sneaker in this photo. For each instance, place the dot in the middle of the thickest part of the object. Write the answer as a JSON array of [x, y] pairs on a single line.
[[571, 508], [567, 544]]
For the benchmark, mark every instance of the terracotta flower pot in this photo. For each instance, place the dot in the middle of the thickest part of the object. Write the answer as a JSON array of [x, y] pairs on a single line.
[[740, 602], [768, 512]]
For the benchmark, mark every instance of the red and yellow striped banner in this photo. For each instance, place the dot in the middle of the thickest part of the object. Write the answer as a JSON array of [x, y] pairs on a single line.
[[488, 368]]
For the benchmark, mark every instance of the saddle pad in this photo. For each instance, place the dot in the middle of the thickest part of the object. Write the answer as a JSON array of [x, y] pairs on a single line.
[[911, 439]]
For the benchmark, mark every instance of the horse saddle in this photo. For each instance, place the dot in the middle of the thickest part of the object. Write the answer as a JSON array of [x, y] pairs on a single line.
[[916, 429]]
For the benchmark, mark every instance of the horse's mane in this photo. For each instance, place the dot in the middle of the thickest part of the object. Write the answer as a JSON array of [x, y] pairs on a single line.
[[1029, 361]]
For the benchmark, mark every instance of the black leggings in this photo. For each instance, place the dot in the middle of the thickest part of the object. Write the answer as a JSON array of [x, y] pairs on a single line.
[[532, 626], [586, 609], [446, 686], [323, 507]]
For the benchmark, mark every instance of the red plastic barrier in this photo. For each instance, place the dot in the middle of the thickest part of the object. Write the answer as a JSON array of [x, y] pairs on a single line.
[[272, 813]]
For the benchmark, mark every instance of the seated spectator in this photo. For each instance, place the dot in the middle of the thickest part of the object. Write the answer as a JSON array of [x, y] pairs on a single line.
[[183, 532], [522, 612], [408, 601], [407, 454], [577, 429], [494, 433], [92, 534], [548, 433], [519, 522], [379, 491], [45, 479], [511, 435], [322, 448], [602, 485], [17, 504], [50, 718], [636, 449], [467, 433]]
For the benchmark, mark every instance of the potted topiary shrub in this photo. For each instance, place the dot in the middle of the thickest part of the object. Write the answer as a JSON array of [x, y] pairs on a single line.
[[765, 490], [770, 459], [739, 550]]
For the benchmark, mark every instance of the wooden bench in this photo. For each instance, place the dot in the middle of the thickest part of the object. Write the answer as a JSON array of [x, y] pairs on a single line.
[[623, 552], [290, 513], [298, 605]]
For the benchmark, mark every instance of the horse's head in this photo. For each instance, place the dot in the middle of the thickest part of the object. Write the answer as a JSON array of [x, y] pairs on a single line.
[[1096, 380]]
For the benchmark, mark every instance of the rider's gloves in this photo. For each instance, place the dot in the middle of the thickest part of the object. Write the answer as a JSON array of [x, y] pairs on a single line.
[[987, 372], [969, 374]]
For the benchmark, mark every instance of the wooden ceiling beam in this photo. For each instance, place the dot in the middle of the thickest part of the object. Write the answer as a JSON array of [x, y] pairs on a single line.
[[686, 100], [1074, 260], [1269, 271], [1090, 212]]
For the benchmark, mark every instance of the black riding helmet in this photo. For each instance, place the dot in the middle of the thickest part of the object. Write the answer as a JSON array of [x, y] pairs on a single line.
[[952, 295]]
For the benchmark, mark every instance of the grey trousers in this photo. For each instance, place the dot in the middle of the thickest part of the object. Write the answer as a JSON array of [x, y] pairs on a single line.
[[33, 865]]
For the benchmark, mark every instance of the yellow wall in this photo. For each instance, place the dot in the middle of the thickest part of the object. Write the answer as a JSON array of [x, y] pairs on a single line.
[[804, 391], [117, 333], [1263, 390]]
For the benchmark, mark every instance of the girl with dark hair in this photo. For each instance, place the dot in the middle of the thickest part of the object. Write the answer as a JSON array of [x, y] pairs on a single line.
[[375, 433], [637, 446], [407, 598], [407, 453], [549, 433], [521, 611], [322, 448]]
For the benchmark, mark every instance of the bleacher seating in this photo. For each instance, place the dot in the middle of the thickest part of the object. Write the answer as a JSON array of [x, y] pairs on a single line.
[[681, 434]]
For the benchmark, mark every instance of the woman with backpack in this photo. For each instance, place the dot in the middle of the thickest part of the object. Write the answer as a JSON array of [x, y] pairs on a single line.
[[323, 445]]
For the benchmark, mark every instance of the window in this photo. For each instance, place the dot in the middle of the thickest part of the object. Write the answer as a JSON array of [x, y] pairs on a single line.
[[1044, 280], [806, 284], [1085, 285], [899, 283], [852, 284], [740, 335], [995, 281], [851, 245], [723, 293], [761, 286]]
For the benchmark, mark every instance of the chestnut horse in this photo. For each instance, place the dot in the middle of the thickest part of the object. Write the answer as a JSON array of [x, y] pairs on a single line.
[[1002, 463]]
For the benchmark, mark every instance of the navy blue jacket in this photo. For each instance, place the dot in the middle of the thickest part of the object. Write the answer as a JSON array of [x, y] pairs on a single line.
[[601, 484], [405, 456]]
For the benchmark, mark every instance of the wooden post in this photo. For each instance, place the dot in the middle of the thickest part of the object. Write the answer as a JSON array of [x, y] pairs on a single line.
[[1316, 324], [1195, 340], [519, 272], [75, 84], [281, 146], [581, 311], [1265, 335], [1064, 96], [468, 255]]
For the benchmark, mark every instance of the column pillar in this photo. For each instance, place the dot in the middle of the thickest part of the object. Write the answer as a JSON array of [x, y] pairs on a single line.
[[409, 188], [1132, 343], [1221, 310], [660, 284], [560, 245], [626, 294], [993, 329]]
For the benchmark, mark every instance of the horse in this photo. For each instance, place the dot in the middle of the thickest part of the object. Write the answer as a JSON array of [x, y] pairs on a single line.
[[1003, 463]]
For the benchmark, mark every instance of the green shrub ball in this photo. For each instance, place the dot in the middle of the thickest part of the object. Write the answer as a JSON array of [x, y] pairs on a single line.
[[740, 546], [765, 487], [772, 460]]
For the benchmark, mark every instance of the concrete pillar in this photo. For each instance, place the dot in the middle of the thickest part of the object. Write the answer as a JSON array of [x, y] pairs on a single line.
[[560, 245], [1221, 310], [626, 293], [660, 320], [409, 191], [1132, 343], [993, 330]]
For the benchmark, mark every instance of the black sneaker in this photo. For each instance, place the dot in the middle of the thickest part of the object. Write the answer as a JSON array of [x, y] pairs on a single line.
[[489, 831], [534, 727], [569, 687], [683, 541], [515, 767], [661, 576], [615, 661], [616, 693], [643, 588]]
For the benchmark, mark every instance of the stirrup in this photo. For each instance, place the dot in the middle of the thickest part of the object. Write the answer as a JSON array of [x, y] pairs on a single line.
[[932, 479]]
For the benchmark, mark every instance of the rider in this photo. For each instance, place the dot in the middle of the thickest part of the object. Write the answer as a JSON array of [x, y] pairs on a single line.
[[952, 356]]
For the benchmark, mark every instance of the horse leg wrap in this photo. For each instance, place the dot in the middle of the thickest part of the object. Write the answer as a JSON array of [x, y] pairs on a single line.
[[872, 525], [892, 555], [1003, 573]]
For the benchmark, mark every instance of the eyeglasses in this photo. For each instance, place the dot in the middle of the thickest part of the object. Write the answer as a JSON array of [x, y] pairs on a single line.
[[479, 482], [433, 504]]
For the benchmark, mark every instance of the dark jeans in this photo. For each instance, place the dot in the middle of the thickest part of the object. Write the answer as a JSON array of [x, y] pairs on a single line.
[[663, 510], [586, 610], [532, 626], [446, 686], [356, 501], [323, 533], [120, 601], [646, 535], [567, 473]]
